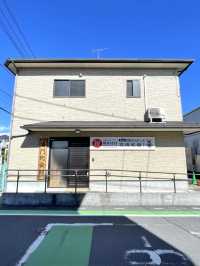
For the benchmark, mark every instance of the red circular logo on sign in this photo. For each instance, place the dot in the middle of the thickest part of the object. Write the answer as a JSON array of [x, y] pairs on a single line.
[[97, 143]]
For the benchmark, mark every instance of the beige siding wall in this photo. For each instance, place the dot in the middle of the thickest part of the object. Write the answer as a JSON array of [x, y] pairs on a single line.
[[105, 100], [105, 95], [169, 149], [168, 156]]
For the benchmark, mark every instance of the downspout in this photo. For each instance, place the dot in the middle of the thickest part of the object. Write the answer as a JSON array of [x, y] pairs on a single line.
[[145, 114], [145, 100], [179, 97]]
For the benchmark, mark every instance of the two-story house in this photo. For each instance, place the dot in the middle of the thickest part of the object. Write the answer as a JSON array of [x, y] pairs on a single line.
[[118, 120]]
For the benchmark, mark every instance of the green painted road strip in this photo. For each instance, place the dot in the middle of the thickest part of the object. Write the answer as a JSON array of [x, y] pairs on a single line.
[[142, 212], [63, 246]]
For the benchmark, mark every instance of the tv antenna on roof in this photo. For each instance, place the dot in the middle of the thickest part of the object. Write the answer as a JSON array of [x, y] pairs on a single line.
[[98, 51]]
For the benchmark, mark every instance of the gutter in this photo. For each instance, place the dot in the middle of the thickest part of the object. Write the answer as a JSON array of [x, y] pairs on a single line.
[[7, 65]]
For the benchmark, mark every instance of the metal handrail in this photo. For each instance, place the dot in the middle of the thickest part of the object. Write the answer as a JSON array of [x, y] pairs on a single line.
[[108, 173], [107, 169]]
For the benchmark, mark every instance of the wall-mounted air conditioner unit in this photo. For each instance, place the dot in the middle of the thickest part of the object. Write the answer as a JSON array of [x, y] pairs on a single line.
[[155, 115]]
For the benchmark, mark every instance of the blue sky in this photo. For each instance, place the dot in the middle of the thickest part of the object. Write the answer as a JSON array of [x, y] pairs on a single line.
[[129, 28]]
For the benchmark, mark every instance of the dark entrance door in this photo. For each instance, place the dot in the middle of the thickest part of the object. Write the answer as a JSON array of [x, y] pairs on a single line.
[[69, 161]]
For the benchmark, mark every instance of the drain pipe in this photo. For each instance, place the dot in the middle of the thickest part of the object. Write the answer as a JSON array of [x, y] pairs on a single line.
[[145, 101]]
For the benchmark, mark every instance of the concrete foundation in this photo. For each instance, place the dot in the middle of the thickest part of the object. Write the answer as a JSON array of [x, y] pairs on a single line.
[[108, 200], [117, 186]]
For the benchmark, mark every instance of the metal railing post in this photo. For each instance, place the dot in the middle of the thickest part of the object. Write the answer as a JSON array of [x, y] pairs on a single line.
[[17, 181], [140, 179], [45, 182], [106, 175], [77, 177], [174, 182], [75, 181]]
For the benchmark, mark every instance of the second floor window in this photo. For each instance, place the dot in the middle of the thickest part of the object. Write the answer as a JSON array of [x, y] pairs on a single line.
[[69, 88], [133, 88]]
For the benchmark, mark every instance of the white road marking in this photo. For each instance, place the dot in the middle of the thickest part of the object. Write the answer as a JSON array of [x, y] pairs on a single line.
[[155, 258], [195, 233], [118, 208], [42, 235], [158, 208], [33, 247], [196, 208], [146, 242], [170, 251]]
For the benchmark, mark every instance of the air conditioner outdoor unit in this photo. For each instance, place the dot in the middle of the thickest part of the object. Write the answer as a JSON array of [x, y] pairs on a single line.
[[155, 115]]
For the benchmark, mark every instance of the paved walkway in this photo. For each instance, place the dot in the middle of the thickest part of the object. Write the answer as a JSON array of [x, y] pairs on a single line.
[[194, 188]]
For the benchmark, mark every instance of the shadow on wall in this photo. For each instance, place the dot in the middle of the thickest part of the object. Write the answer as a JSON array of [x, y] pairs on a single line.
[[43, 200], [162, 139], [96, 72], [31, 141]]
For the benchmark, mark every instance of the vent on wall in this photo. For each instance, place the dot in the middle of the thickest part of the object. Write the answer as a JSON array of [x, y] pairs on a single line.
[[155, 115]]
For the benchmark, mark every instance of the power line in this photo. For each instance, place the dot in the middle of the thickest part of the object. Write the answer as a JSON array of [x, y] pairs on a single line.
[[13, 18], [5, 69], [6, 31], [20, 117], [6, 102], [72, 107], [1, 108], [6, 93], [7, 22]]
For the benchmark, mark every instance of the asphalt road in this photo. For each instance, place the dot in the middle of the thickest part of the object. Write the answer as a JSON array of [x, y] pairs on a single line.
[[126, 241]]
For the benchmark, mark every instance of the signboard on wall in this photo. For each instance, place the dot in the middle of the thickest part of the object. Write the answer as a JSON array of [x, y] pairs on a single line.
[[42, 158], [122, 143]]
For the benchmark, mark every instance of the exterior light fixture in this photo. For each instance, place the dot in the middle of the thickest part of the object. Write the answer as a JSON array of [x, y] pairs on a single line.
[[77, 131]]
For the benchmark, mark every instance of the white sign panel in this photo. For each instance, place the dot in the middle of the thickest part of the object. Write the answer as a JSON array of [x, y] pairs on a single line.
[[122, 143]]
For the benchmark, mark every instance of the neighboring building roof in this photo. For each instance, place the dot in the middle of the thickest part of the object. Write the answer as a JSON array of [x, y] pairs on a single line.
[[111, 125], [4, 137], [194, 110], [179, 64]]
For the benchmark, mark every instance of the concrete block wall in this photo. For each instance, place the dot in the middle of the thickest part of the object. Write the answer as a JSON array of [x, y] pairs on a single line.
[[101, 200]]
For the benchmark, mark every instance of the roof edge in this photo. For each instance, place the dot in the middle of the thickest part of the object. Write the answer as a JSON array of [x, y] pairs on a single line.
[[190, 112], [10, 63], [110, 124]]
